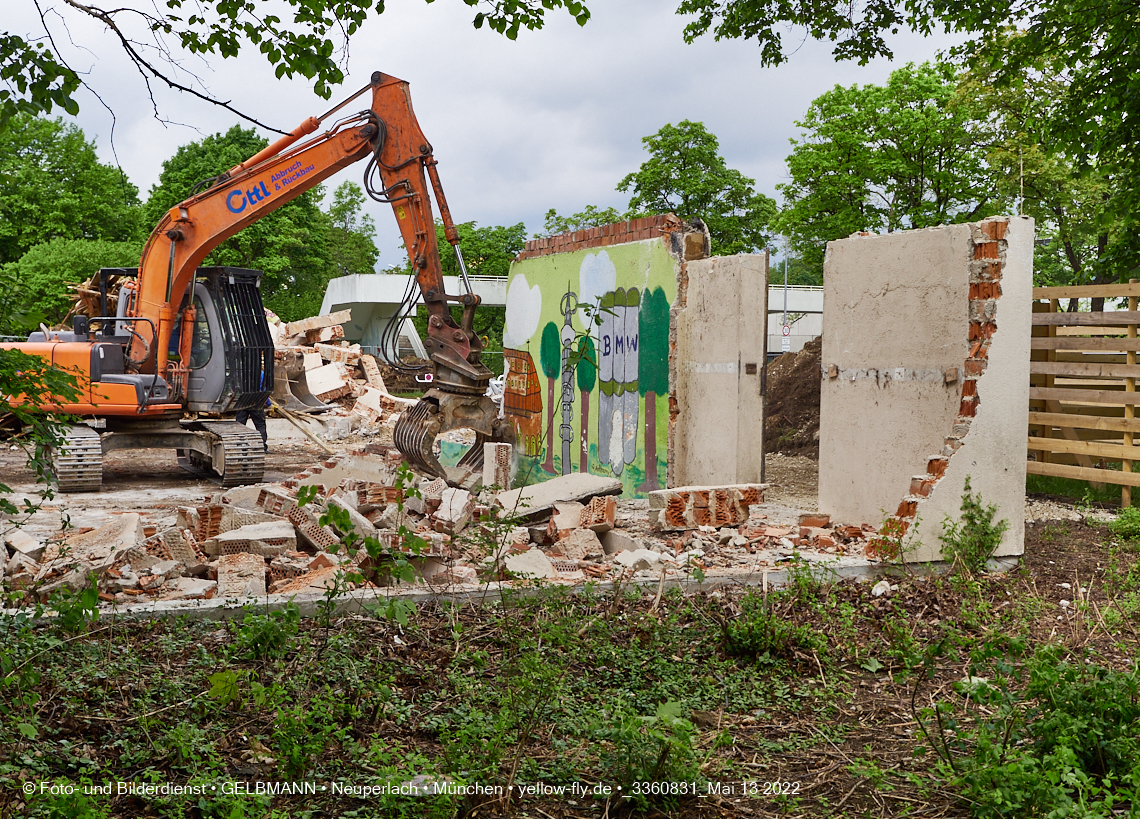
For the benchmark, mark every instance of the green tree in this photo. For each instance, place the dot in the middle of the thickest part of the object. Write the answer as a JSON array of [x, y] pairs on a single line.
[[652, 372], [310, 39], [884, 158], [352, 245], [588, 217], [48, 273], [550, 357], [1096, 120], [586, 374], [800, 272], [1075, 221], [52, 185], [686, 175], [291, 245]]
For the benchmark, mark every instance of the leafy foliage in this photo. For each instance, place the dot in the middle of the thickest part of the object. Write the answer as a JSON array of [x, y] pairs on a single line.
[[352, 248], [26, 382], [883, 158], [52, 185], [308, 38], [48, 272], [973, 540], [588, 217], [686, 175], [1127, 523], [1094, 119]]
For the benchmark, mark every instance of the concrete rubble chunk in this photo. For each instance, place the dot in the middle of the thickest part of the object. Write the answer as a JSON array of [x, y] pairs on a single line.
[[372, 372], [93, 549], [638, 560], [21, 564], [312, 582], [498, 461], [615, 541], [166, 568], [690, 507], [317, 322], [363, 527], [241, 575], [246, 497], [189, 588], [269, 538], [536, 501], [566, 518], [581, 544], [454, 512], [531, 563], [316, 537], [25, 544]]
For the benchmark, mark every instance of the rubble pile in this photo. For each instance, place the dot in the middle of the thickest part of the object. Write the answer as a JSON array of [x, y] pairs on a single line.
[[256, 540], [316, 369]]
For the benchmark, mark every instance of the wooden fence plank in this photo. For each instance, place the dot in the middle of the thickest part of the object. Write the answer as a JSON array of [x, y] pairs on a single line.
[[1065, 419], [1090, 370], [1082, 473], [1111, 452], [1107, 345], [1109, 397], [1118, 318], [1087, 291]]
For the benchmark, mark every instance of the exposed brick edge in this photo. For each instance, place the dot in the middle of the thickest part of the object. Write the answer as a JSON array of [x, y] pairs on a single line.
[[634, 230], [987, 260]]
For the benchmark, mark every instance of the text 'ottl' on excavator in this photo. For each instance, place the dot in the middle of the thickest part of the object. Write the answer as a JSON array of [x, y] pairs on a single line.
[[189, 346]]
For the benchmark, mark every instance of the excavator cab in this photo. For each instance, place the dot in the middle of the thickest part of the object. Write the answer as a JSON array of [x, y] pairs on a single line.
[[231, 353]]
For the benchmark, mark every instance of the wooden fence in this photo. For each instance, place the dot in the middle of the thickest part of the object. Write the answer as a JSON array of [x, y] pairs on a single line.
[[1082, 394]]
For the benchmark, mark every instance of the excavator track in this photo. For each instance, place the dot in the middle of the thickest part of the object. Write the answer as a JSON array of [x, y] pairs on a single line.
[[78, 464], [243, 454]]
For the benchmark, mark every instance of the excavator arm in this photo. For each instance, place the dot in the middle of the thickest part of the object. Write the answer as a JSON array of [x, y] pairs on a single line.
[[389, 134]]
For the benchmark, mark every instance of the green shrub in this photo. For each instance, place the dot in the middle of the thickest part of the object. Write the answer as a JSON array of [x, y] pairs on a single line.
[[971, 541], [1127, 523], [766, 637]]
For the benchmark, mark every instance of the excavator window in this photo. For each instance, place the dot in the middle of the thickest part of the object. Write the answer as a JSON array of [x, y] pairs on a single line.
[[200, 345]]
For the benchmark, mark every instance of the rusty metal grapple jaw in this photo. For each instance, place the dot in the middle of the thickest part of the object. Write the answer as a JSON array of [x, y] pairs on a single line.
[[439, 412]]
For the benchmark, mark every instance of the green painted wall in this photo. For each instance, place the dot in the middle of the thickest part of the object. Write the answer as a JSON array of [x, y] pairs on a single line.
[[592, 396]]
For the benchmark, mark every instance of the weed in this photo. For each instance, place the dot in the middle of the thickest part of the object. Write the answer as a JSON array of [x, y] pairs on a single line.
[[764, 637], [971, 541], [75, 610], [647, 751], [270, 635], [1127, 523]]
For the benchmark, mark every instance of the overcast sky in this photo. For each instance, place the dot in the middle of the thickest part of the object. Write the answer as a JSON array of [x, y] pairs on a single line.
[[552, 120]]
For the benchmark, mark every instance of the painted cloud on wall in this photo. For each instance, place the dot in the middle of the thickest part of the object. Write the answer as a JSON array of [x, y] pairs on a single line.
[[524, 304], [596, 277]]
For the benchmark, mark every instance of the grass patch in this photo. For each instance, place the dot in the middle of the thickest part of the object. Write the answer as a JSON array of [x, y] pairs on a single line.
[[1076, 491]]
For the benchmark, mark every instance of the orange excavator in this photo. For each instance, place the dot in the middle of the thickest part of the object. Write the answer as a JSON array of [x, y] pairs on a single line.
[[188, 346]]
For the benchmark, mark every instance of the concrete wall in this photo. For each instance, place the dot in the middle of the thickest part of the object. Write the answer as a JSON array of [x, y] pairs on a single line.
[[925, 369], [607, 413], [716, 358]]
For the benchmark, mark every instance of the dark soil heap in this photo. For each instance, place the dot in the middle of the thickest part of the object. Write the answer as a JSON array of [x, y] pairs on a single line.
[[792, 422]]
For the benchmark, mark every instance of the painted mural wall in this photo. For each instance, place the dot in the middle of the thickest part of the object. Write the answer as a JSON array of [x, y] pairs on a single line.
[[587, 346]]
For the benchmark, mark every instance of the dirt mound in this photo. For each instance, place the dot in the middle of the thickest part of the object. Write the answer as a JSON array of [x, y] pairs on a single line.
[[792, 423], [401, 381]]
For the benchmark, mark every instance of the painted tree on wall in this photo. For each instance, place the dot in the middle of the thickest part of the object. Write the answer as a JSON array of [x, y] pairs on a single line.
[[550, 356], [652, 372], [587, 377]]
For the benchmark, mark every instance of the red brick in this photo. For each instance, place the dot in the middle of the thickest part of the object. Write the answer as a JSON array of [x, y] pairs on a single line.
[[936, 467], [968, 408], [907, 509], [817, 521], [975, 366], [969, 388], [995, 229], [986, 250]]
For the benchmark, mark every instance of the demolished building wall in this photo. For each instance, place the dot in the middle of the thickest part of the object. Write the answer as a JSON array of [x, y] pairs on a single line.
[[925, 370], [717, 353], [616, 411]]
